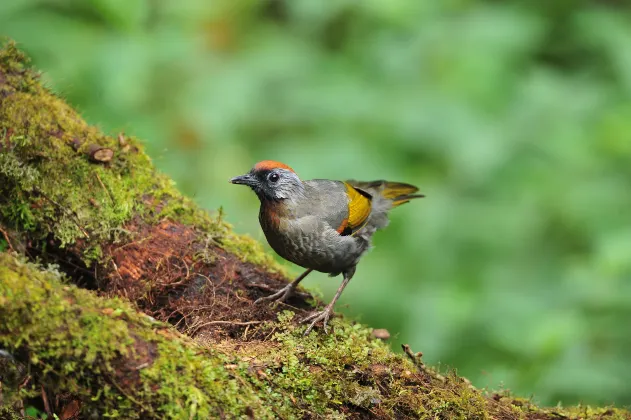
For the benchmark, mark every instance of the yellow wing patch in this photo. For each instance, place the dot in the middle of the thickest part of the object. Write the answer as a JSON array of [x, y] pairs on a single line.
[[359, 207]]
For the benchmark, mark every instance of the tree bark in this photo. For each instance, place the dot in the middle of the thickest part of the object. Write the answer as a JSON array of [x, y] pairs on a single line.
[[120, 297]]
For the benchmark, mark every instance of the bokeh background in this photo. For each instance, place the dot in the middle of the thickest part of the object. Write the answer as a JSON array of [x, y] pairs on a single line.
[[514, 117]]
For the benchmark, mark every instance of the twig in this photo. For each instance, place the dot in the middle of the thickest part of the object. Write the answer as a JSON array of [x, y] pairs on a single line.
[[230, 323], [139, 241], [267, 288], [416, 359], [117, 272], [103, 185], [240, 323], [141, 366], [270, 334], [261, 286], [24, 382], [20, 403], [6, 236], [188, 271], [179, 283], [49, 412]]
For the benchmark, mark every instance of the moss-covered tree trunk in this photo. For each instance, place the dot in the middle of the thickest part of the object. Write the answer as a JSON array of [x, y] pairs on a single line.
[[119, 297]]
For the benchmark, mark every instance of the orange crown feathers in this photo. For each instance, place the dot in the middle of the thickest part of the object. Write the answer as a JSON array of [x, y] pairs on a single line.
[[266, 165]]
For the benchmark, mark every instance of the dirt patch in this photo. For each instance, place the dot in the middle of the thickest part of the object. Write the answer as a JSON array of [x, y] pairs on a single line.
[[174, 274]]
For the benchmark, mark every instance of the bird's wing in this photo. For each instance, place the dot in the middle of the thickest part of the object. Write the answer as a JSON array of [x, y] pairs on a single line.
[[337, 204]]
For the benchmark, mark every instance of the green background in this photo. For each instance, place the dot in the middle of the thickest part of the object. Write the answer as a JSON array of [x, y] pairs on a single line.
[[514, 118]]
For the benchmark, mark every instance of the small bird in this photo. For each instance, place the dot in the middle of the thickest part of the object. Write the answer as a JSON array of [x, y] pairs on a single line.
[[320, 224]]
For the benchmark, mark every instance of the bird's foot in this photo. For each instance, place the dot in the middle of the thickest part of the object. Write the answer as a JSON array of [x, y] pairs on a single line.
[[281, 296], [318, 316]]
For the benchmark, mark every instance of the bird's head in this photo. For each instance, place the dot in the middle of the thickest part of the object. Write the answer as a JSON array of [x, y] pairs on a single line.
[[271, 180]]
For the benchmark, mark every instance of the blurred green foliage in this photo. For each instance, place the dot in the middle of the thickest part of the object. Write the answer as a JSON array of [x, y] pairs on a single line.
[[513, 117]]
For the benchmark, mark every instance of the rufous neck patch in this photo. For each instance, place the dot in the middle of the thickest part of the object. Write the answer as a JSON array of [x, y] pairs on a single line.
[[266, 165]]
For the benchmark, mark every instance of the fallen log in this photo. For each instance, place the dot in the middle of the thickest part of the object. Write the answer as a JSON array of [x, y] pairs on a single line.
[[120, 297]]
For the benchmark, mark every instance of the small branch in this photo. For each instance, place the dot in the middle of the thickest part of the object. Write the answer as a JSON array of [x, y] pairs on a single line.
[[103, 186], [230, 323], [267, 288], [416, 359], [205, 324], [49, 412], [6, 236], [116, 269], [20, 403], [142, 366]]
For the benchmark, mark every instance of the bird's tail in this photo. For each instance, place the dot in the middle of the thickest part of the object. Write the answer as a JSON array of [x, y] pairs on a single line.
[[397, 192]]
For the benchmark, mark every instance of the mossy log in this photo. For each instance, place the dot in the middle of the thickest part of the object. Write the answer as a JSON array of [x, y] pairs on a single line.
[[119, 297]]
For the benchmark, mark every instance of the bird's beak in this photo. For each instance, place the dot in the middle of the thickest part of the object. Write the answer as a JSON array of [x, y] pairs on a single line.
[[246, 179]]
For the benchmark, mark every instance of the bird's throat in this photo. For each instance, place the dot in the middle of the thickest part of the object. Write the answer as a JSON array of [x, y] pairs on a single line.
[[271, 214]]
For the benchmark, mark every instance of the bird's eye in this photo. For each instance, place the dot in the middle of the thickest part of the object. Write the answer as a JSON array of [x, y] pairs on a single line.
[[274, 177]]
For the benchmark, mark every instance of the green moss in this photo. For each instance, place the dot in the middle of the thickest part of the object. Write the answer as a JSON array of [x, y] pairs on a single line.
[[45, 172], [123, 364], [523, 407], [587, 412], [78, 343], [348, 369], [8, 414], [51, 186], [84, 345]]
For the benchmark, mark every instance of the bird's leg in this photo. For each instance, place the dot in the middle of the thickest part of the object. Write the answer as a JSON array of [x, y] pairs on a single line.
[[325, 314], [286, 291]]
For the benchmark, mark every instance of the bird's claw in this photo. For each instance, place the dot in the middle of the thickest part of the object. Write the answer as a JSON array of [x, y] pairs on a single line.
[[281, 296], [317, 317]]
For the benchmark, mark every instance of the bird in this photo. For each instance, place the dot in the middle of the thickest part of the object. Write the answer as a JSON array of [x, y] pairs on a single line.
[[320, 224]]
